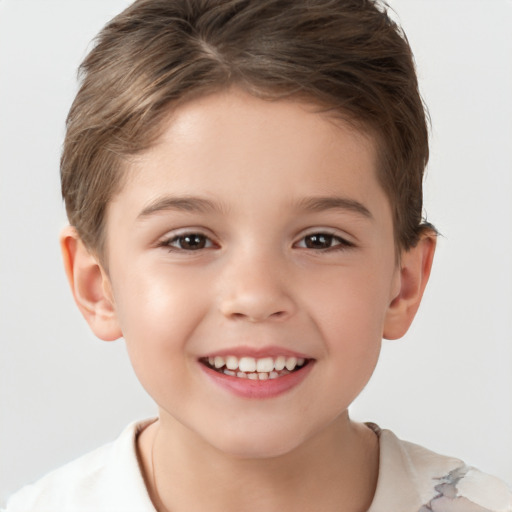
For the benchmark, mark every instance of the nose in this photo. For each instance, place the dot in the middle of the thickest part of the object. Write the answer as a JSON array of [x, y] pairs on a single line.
[[256, 289]]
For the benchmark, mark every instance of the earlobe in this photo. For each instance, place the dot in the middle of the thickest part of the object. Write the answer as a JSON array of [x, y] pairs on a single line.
[[415, 267], [90, 286]]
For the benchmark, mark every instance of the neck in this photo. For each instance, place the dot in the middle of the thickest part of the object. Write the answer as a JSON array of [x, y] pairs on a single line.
[[335, 470]]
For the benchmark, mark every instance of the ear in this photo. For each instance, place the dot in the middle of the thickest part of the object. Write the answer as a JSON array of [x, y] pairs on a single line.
[[90, 286], [415, 266]]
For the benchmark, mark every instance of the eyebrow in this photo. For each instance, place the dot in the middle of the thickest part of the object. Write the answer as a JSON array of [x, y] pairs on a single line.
[[319, 204], [185, 203], [201, 205]]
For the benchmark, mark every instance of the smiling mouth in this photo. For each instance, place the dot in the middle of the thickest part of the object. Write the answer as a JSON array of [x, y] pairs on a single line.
[[265, 368]]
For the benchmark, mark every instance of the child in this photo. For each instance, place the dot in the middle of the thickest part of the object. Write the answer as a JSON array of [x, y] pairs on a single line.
[[243, 181]]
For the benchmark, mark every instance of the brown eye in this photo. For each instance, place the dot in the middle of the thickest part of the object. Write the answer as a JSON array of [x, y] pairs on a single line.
[[323, 241], [190, 242], [319, 241]]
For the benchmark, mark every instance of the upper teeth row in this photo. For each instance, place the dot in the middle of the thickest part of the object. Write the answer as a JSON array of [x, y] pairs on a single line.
[[250, 364]]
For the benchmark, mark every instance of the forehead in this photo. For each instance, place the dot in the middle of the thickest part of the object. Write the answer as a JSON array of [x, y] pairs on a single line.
[[246, 153], [236, 132]]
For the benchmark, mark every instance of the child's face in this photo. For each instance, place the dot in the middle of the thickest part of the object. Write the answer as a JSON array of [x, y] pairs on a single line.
[[254, 229]]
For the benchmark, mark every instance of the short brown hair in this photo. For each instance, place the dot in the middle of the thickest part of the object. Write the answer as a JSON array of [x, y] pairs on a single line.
[[345, 55]]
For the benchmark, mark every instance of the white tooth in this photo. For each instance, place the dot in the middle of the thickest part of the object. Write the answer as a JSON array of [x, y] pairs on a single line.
[[219, 362], [273, 375], [232, 362], [263, 376], [247, 364], [242, 375], [211, 361], [252, 376], [300, 361], [291, 363], [230, 373], [280, 363], [265, 365]]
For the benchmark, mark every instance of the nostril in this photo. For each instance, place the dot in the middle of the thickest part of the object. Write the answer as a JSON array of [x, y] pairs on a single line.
[[258, 318]]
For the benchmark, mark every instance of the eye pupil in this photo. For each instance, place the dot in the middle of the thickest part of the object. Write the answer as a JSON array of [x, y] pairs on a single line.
[[318, 241], [192, 242]]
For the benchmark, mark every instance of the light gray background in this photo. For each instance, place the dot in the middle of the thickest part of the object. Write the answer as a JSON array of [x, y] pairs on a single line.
[[447, 385]]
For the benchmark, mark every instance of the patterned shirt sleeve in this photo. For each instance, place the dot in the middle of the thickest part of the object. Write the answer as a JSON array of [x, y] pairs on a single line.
[[466, 489]]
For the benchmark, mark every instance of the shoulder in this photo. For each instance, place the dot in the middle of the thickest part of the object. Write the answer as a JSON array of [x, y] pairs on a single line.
[[107, 479], [436, 483]]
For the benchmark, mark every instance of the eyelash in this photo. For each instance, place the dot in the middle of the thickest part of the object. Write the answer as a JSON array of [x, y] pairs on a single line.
[[340, 245], [204, 242]]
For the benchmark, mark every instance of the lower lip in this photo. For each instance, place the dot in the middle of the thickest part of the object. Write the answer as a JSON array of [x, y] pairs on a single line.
[[258, 389]]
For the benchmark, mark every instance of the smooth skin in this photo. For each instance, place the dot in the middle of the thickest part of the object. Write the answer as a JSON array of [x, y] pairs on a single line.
[[252, 224]]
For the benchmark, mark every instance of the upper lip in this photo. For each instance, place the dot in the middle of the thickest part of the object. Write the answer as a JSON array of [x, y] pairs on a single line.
[[257, 352]]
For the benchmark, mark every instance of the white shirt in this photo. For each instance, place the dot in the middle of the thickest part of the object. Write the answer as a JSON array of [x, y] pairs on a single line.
[[411, 479]]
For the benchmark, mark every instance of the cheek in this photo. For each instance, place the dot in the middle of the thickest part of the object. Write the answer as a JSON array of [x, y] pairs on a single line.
[[350, 302], [158, 308], [159, 312], [348, 309]]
